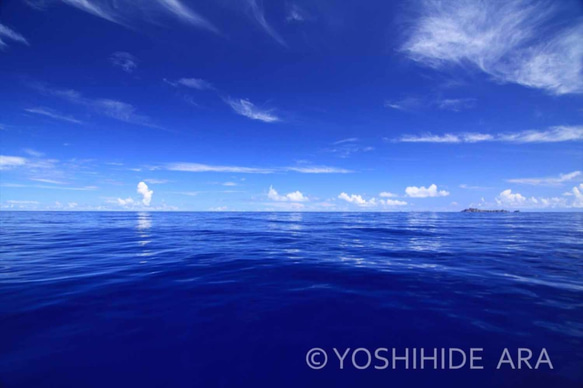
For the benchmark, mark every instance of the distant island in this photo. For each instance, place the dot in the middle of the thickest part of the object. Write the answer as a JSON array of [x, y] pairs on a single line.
[[474, 210]]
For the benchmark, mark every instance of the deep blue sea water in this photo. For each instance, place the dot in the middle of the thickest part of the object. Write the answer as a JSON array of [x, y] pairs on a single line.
[[238, 299]]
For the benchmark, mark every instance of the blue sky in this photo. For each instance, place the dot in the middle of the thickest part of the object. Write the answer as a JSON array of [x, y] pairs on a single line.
[[291, 105]]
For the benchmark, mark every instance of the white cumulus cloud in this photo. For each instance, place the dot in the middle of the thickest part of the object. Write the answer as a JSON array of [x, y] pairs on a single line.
[[358, 200], [509, 199], [145, 192], [578, 196], [125, 202], [424, 192], [295, 196], [392, 202], [386, 194]]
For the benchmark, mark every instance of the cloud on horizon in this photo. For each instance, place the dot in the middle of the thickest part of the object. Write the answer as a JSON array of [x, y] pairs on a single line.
[[295, 196], [357, 199], [508, 198]]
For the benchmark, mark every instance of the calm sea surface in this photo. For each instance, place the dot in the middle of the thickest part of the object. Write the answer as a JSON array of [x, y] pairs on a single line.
[[238, 299]]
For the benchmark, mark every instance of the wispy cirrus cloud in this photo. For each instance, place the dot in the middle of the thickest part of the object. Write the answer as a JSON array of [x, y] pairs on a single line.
[[128, 12], [552, 135], [50, 181], [405, 104], [186, 14], [7, 161], [347, 140], [295, 14], [7, 33], [18, 202], [246, 108], [198, 167], [52, 114], [456, 104], [387, 194], [318, 170], [411, 104], [156, 181], [547, 181], [346, 147], [258, 14], [32, 165], [34, 153], [114, 109], [446, 138], [241, 106], [194, 83], [121, 111], [37, 168], [124, 60], [96, 9], [512, 41], [470, 187]]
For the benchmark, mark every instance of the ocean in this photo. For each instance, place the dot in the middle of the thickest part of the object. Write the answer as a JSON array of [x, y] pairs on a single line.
[[122, 299]]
